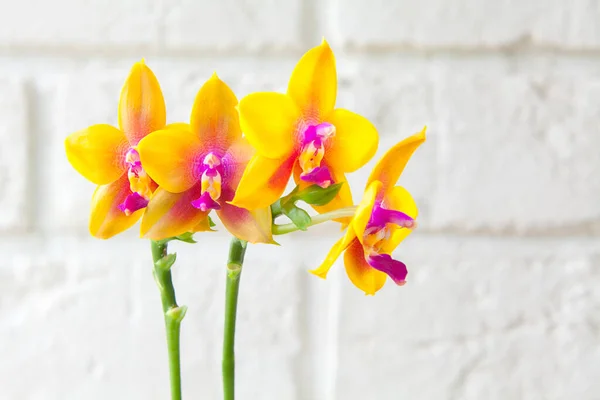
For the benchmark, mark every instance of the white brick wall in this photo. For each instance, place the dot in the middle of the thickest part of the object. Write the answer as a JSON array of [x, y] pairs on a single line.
[[502, 301]]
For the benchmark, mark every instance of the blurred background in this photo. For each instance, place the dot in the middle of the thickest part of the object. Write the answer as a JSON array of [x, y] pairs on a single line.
[[502, 300]]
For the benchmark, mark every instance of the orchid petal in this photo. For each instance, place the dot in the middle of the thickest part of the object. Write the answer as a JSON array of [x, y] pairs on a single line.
[[269, 121], [391, 165], [214, 119], [399, 199], [106, 219], [313, 84], [334, 253], [251, 226], [263, 182], [142, 106], [362, 275], [365, 209], [234, 163], [180, 126], [97, 153], [171, 214], [355, 141], [203, 226], [168, 156]]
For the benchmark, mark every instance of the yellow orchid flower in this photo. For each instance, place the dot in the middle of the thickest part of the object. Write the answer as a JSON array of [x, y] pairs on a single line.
[[198, 167], [107, 156], [302, 132], [385, 217]]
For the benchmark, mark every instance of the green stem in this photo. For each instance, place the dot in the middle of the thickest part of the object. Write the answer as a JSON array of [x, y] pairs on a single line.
[[172, 312], [237, 250], [315, 220]]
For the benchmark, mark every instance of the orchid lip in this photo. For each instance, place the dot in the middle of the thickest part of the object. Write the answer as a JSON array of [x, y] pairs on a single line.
[[319, 176], [205, 203], [313, 151], [139, 184], [210, 183], [393, 268], [133, 203]]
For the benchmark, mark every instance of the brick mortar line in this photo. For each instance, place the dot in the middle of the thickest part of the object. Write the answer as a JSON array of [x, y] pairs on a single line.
[[57, 237], [291, 52]]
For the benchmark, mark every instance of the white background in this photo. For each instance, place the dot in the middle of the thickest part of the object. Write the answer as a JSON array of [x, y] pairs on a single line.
[[503, 298]]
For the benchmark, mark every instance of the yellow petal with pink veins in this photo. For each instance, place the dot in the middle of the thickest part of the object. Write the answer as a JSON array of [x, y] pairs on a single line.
[[334, 253], [263, 182], [106, 219], [313, 84], [236, 158], [169, 156], [365, 208], [362, 275], [214, 117], [251, 226], [142, 106], [355, 141], [98, 153], [398, 199], [172, 214], [391, 165], [269, 121]]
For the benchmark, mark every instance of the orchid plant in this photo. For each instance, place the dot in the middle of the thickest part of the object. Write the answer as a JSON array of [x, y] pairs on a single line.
[[237, 159]]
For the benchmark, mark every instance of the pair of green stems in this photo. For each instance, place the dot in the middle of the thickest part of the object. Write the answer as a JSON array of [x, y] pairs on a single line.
[[174, 313]]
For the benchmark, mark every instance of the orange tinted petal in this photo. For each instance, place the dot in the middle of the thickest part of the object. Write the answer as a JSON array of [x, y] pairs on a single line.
[[98, 153], [106, 220], [236, 159], [313, 84], [334, 253], [263, 182], [269, 121], [203, 226], [169, 157], [362, 275], [214, 117], [355, 141], [251, 226], [142, 106], [391, 165], [171, 214]]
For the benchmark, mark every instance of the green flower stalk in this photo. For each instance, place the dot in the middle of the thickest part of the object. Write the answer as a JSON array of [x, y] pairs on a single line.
[[173, 313], [237, 250]]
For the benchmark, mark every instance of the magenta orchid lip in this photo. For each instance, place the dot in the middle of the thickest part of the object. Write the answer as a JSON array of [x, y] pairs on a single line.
[[139, 184], [314, 143]]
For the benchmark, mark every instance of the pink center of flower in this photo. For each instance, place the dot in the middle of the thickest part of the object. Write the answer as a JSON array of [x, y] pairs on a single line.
[[312, 153], [377, 233], [210, 187], [140, 184]]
